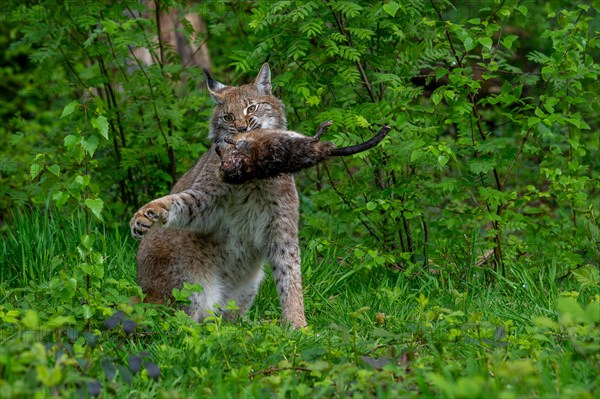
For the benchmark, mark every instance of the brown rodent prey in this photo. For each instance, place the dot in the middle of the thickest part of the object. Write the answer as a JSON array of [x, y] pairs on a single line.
[[264, 153]]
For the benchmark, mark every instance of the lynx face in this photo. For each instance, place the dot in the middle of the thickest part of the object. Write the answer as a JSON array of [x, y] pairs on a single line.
[[244, 108]]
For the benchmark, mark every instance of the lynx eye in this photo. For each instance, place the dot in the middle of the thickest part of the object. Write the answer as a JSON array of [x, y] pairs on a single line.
[[251, 108], [228, 118]]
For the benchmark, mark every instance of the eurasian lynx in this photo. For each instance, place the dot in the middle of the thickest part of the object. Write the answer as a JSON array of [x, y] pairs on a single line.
[[220, 235]]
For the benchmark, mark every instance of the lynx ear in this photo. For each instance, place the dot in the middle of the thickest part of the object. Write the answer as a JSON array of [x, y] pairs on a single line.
[[263, 80], [214, 87]]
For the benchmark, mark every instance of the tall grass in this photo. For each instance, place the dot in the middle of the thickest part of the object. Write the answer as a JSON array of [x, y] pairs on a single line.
[[37, 243], [373, 332]]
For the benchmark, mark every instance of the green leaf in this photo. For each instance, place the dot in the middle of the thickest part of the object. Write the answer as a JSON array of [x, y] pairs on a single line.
[[486, 42], [532, 121], [546, 322], [312, 28], [87, 312], [416, 154], [70, 141], [570, 310], [349, 8], [509, 40], [95, 205], [443, 159], [547, 71], [10, 316], [592, 312], [469, 43], [60, 197], [538, 112], [81, 181], [34, 170], [87, 240], [59, 321], [391, 8], [90, 144], [55, 169], [587, 276], [68, 110], [481, 165], [30, 319], [440, 73], [101, 123], [362, 121]]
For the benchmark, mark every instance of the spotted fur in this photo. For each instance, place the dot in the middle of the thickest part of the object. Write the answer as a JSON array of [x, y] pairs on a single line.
[[218, 234]]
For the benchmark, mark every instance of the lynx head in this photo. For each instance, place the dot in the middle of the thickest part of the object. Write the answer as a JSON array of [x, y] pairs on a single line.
[[244, 108]]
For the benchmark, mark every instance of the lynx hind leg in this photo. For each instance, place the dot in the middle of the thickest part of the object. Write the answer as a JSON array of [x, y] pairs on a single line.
[[169, 257], [243, 293], [205, 303]]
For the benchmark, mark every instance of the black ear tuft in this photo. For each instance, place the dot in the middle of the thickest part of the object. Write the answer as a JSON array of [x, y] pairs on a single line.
[[213, 85]]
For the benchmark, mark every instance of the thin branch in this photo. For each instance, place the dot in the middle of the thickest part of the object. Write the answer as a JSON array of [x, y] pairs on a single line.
[[409, 239], [441, 17], [425, 243], [359, 66], [366, 81], [273, 370], [349, 205], [159, 33], [152, 97], [523, 141]]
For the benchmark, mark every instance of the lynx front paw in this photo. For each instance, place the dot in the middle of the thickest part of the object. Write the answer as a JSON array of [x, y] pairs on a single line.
[[153, 214]]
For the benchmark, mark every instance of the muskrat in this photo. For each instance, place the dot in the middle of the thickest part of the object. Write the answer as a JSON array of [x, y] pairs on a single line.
[[264, 153]]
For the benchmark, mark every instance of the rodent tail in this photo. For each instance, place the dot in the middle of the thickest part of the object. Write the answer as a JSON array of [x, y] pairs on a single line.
[[355, 149]]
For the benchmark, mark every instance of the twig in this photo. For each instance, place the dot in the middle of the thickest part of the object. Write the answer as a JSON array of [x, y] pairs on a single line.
[[159, 33], [345, 200], [156, 114], [425, 243], [273, 370], [359, 66]]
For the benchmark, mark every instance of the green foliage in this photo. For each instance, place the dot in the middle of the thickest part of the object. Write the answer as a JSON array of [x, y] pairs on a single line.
[[479, 119], [459, 258], [373, 335], [496, 126], [84, 68], [183, 295]]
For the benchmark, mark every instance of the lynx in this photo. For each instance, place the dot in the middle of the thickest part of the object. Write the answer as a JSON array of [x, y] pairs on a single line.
[[218, 234]]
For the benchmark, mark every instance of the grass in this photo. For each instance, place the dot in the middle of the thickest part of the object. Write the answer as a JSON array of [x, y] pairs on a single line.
[[372, 332]]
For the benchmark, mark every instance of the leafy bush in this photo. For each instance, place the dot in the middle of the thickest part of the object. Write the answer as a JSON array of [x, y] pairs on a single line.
[[496, 126], [457, 259], [490, 136], [83, 55]]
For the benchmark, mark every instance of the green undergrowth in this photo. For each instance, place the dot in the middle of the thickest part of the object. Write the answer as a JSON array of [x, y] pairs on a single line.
[[68, 328]]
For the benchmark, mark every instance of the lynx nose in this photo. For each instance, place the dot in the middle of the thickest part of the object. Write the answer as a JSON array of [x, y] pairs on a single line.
[[241, 129]]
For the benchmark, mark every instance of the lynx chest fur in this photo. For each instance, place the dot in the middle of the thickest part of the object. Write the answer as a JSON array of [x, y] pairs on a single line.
[[220, 235]]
